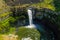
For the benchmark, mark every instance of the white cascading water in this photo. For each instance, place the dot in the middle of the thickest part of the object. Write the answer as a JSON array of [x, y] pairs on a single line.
[[31, 25], [30, 17]]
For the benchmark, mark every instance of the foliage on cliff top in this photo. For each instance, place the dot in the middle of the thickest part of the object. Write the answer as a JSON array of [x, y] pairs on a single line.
[[45, 4]]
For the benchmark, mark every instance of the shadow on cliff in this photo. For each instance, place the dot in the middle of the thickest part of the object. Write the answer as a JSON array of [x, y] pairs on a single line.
[[49, 19]]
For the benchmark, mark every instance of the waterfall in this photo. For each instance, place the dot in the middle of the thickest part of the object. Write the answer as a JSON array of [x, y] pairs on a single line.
[[30, 17], [30, 11]]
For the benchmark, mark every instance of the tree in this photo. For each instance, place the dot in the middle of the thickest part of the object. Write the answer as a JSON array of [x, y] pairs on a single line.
[[57, 5]]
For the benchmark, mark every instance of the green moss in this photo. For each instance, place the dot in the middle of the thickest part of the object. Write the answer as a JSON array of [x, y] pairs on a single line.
[[28, 32]]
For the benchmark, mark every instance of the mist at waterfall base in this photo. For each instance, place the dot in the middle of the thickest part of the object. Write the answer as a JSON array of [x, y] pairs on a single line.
[[44, 34]]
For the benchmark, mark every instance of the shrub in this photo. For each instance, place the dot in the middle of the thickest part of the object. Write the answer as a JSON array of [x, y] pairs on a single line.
[[3, 29], [12, 30]]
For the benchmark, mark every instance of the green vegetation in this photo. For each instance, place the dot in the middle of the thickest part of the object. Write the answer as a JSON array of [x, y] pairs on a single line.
[[57, 5], [27, 32], [45, 4], [9, 16], [12, 30]]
